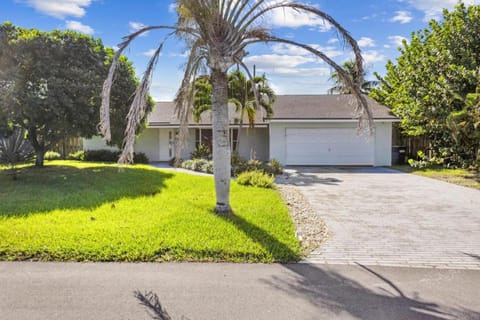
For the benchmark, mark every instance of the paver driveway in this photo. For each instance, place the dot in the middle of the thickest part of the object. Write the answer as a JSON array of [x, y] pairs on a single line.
[[378, 216]]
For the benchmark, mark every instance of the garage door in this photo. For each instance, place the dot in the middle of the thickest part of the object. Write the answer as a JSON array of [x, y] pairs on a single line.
[[328, 146]]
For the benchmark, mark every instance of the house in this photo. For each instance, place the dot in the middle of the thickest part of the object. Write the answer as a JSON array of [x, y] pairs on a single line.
[[304, 130]]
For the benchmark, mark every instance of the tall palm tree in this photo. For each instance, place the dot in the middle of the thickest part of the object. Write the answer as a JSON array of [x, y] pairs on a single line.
[[343, 88], [246, 94], [217, 33]]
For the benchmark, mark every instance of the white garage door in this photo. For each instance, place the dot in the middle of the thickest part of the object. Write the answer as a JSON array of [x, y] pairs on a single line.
[[328, 146]]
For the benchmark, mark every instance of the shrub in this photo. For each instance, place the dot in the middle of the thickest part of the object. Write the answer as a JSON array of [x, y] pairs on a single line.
[[140, 157], [424, 161], [79, 155], [15, 149], [52, 155], [275, 166], [202, 152], [101, 155], [256, 178], [200, 165]]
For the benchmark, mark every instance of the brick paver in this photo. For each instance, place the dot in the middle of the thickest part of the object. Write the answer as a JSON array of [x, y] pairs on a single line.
[[379, 216]]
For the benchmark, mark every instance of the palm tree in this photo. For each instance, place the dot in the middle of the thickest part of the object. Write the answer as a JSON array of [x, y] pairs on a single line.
[[217, 34], [242, 92], [342, 88]]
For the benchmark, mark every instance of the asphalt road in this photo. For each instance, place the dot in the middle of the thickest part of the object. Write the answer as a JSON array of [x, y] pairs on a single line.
[[32, 290]]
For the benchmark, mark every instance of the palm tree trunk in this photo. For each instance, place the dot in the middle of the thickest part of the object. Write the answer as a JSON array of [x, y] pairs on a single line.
[[240, 129], [221, 142]]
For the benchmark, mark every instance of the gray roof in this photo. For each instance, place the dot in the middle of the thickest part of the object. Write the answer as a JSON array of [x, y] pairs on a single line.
[[286, 107]]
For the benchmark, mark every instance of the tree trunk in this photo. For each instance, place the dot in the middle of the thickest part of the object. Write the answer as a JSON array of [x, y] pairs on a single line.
[[38, 147], [240, 129], [221, 142]]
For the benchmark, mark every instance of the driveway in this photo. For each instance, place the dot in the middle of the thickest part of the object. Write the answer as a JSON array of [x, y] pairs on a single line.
[[379, 216]]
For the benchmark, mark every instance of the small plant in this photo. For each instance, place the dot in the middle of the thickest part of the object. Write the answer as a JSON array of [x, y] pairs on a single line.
[[275, 166], [424, 161], [15, 149], [256, 178], [202, 152], [52, 155], [79, 155]]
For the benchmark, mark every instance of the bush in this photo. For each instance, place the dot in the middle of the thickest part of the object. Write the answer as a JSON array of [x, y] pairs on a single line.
[[101, 155], [275, 166], [200, 165], [140, 157], [15, 149], [424, 161], [202, 152], [256, 178], [79, 155], [52, 155]]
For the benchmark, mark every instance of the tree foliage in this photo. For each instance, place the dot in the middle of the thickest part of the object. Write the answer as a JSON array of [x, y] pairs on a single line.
[[429, 85], [340, 87], [50, 85]]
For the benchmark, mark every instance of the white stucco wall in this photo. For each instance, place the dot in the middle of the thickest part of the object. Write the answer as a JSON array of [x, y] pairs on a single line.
[[96, 143], [254, 143], [382, 139], [148, 143]]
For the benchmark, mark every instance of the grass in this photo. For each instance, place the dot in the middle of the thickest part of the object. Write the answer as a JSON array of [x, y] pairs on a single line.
[[460, 177], [78, 211]]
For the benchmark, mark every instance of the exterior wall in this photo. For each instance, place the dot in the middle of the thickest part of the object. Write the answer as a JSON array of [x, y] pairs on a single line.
[[383, 144], [382, 138], [254, 143], [148, 143]]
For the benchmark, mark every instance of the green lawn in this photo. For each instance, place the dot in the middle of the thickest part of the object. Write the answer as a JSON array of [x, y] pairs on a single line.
[[461, 177], [78, 211]]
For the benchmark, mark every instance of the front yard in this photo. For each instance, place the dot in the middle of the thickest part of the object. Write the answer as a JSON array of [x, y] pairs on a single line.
[[78, 211], [460, 177]]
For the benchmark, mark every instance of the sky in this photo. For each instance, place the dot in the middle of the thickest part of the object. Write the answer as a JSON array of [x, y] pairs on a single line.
[[379, 26]]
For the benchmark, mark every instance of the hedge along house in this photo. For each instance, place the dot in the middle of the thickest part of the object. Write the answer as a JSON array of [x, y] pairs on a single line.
[[304, 130]]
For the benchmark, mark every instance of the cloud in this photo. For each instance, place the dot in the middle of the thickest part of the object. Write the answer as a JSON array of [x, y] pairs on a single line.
[[433, 8], [135, 26], [172, 7], [372, 56], [149, 53], [366, 42], [60, 8], [78, 26], [397, 40], [286, 49], [295, 19], [402, 17], [333, 40]]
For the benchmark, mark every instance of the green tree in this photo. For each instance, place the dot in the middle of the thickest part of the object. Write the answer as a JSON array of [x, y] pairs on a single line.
[[242, 92], [217, 34], [431, 79], [341, 88], [50, 85]]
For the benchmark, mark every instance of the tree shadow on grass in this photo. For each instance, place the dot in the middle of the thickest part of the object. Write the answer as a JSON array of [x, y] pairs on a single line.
[[66, 187], [279, 251], [329, 290]]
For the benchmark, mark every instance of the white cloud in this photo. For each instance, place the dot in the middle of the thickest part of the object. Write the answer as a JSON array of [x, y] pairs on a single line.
[[78, 26], [135, 26], [278, 61], [333, 40], [60, 8], [402, 17], [294, 19], [397, 40], [433, 8], [366, 42], [372, 56], [286, 49], [172, 7], [149, 53]]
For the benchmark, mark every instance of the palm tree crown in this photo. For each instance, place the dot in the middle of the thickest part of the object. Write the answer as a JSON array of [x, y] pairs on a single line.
[[342, 88], [217, 34]]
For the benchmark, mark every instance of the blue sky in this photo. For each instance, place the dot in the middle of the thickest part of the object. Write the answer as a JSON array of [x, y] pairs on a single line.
[[378, 26]]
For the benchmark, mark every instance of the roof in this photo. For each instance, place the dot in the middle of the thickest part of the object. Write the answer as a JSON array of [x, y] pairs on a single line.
[[285, 108]]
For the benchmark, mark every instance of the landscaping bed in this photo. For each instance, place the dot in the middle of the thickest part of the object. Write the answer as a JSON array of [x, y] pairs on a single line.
[[80, 211]]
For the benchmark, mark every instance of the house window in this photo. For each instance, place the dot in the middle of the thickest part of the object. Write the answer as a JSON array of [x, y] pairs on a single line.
[[204, 136]]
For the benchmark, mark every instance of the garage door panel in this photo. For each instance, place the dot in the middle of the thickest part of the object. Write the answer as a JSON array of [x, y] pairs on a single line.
[[332, 146]]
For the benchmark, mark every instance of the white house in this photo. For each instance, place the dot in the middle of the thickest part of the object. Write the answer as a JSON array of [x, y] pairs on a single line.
[[304, 130]]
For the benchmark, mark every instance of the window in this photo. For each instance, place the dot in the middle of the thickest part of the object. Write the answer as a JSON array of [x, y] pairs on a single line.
[[204, 136]]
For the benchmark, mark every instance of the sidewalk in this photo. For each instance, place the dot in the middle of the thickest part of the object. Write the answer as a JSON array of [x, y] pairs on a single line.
[[30, 290]]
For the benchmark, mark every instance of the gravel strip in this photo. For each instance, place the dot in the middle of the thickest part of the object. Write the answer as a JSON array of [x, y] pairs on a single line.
[[310, 229]]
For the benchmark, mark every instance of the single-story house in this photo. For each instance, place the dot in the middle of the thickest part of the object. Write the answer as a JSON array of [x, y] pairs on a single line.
[[304, 130]]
